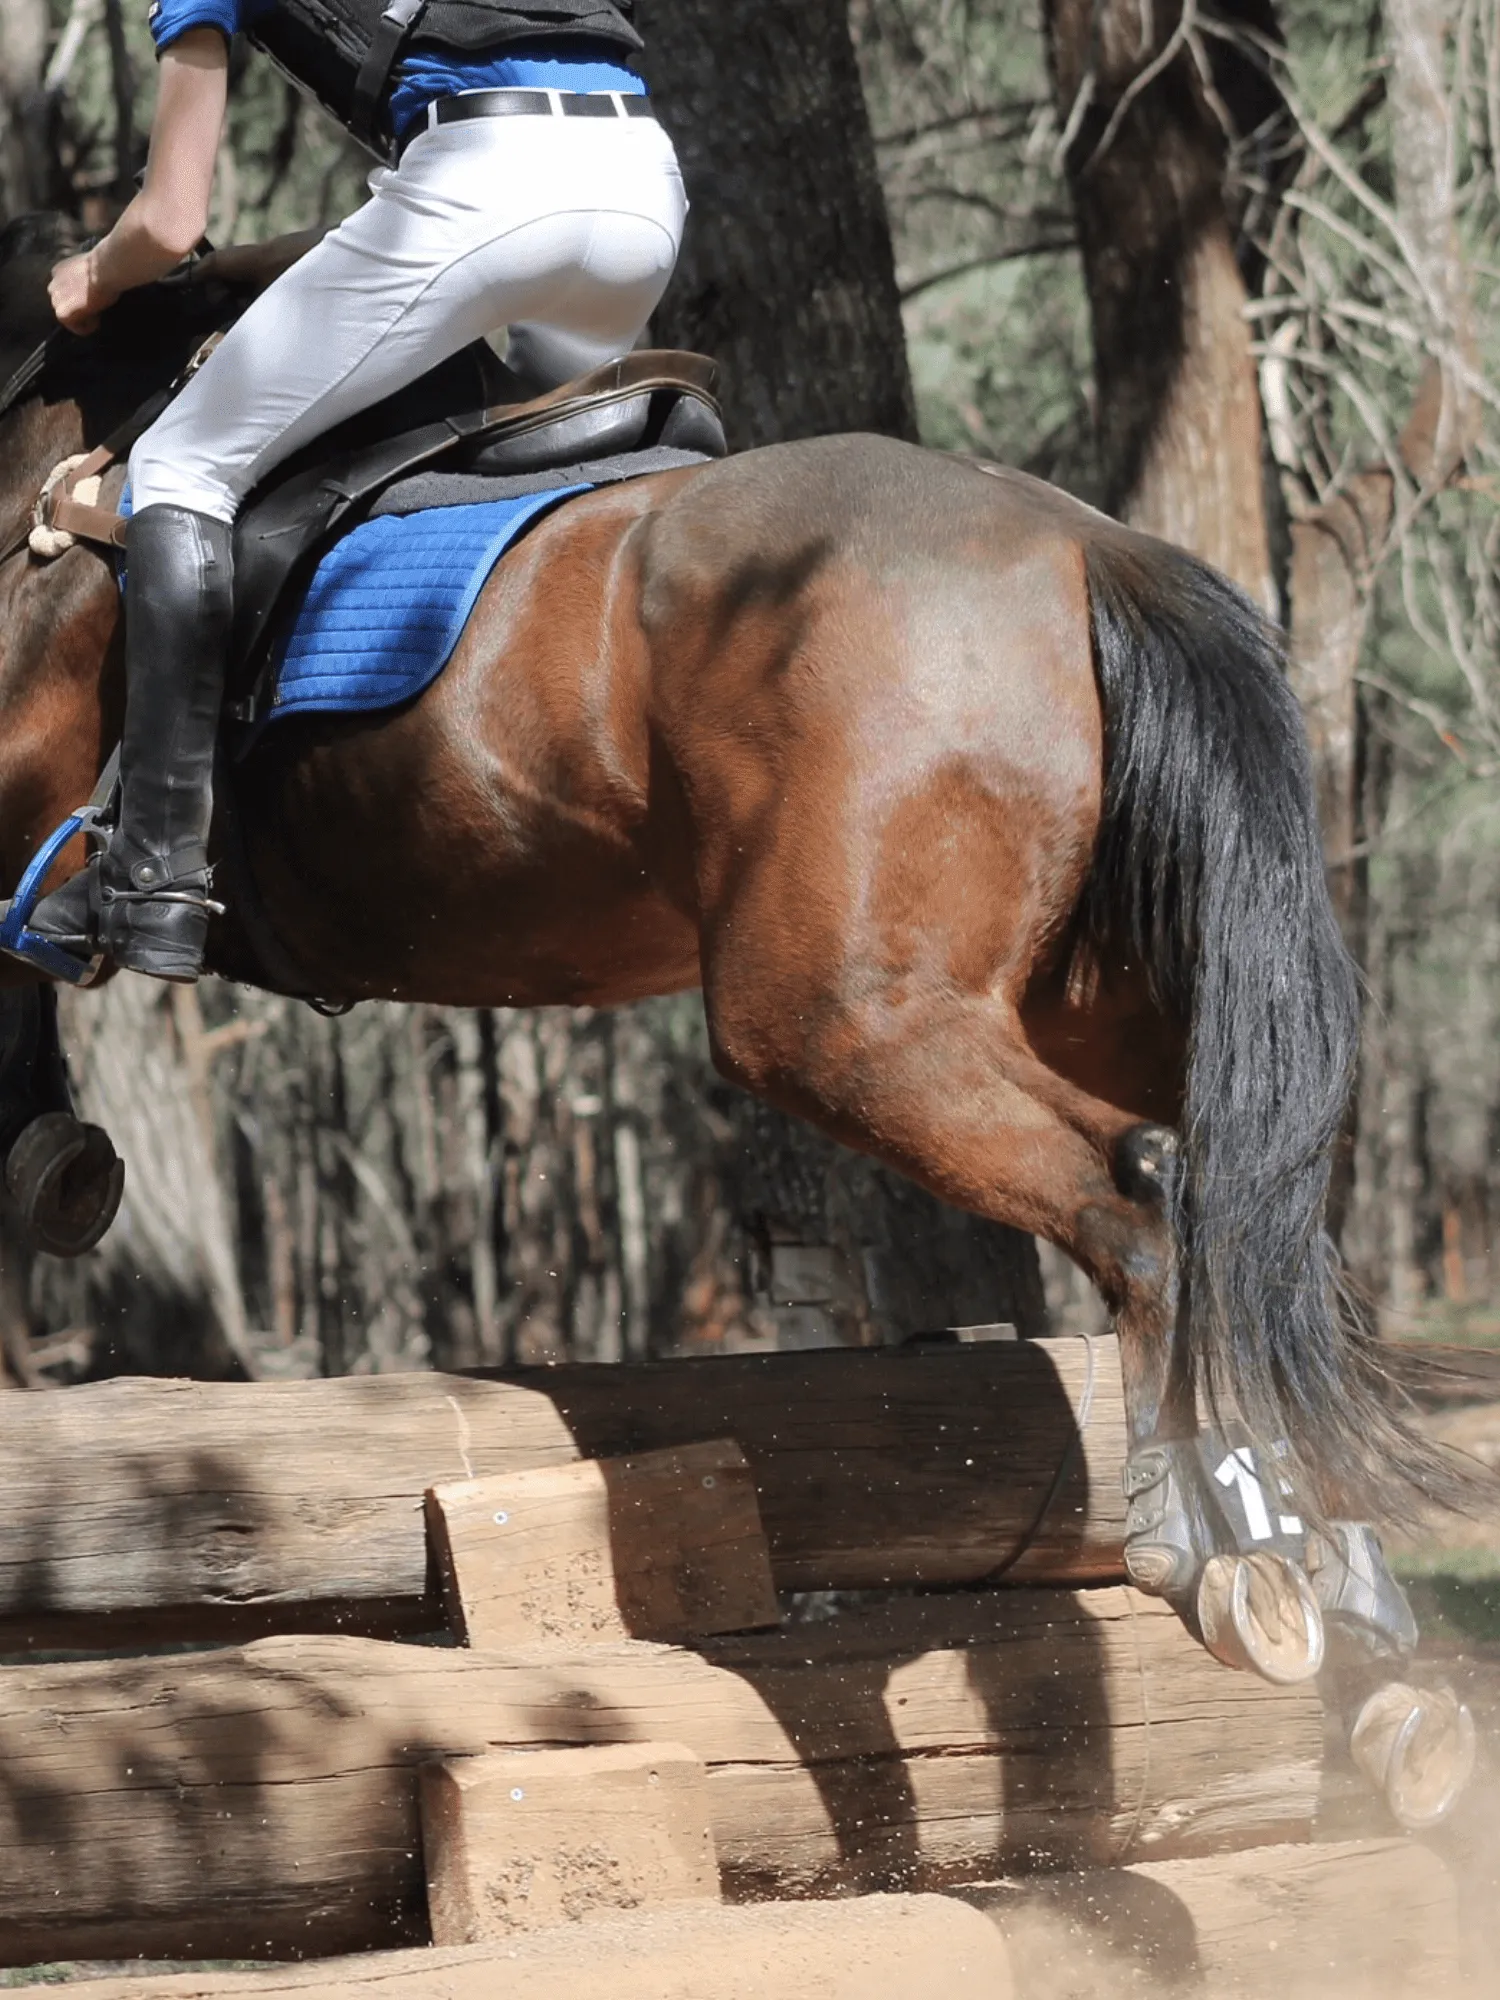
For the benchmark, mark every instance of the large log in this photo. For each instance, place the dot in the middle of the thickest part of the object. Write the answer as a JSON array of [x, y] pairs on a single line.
[[899, 1947], [1279, 1923], [141, 1510], [264, 1802]]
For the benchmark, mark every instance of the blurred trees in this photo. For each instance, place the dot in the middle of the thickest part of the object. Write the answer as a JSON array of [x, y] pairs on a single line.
[[420, 1186], [1357, 149], [1228, 273]]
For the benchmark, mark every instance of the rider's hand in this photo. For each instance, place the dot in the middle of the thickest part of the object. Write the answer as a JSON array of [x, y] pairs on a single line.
[[76, 294]]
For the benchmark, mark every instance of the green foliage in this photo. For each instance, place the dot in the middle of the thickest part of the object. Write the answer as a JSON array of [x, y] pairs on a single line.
[[1460, 1599]]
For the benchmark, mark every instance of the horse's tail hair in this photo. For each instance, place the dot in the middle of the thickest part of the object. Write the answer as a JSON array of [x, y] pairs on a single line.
[[1209, 869]]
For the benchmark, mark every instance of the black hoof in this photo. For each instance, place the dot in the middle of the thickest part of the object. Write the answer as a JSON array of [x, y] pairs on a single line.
[[67, 1181], [1145, 1161]]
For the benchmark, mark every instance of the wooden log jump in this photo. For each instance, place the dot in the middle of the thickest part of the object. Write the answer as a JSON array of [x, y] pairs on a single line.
[[264, 1802], [666, 1545], [899, 1947], [135, 1511]]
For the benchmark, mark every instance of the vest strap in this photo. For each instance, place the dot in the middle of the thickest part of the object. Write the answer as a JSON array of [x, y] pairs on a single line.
[[391, 31]]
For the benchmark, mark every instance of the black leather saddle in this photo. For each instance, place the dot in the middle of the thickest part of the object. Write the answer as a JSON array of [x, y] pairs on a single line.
[[649, 411]]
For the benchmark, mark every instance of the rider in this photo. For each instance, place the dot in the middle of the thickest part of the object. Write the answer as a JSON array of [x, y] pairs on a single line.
[[529, 187]]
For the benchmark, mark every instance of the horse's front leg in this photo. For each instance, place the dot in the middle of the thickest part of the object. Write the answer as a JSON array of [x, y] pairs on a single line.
[[62, 1173]]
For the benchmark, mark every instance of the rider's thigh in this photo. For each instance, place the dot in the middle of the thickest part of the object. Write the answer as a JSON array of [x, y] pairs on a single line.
[[568, 225]]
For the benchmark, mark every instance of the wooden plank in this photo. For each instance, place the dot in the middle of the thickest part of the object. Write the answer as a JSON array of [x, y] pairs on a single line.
[[896, 1947], [666, 1545], [1280, 1923], [516, 1839], [144, 1510], [262, 1801]]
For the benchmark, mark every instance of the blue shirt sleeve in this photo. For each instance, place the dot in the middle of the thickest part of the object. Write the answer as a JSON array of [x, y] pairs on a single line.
[[170, 19]]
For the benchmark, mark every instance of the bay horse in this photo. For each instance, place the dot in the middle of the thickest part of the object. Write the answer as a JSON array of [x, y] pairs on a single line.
[[984, 824]]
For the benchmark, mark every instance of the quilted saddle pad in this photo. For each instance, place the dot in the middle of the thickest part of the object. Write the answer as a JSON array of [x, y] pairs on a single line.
[[386, 605]]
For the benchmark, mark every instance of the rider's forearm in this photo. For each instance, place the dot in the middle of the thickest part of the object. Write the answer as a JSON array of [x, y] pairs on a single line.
[[139, 249], [169, 215]]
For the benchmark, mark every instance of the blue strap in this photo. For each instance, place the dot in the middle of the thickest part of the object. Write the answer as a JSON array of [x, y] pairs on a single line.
[[29, 945]]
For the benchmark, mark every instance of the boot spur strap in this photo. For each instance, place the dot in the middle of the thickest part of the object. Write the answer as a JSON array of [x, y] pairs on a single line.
[[197, 899]]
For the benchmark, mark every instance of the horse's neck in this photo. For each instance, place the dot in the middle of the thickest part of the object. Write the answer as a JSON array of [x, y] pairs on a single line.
[[33, 439]]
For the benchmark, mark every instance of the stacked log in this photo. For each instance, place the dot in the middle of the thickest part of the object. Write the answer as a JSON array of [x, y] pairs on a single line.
[[321, 1791], [900, 1947], [162, 1510], [263, 1801]]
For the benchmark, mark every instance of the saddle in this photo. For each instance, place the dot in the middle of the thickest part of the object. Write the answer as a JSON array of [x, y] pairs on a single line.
[[652, 410]]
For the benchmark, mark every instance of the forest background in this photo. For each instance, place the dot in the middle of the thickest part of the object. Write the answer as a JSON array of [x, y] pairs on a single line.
[[1225, 272]]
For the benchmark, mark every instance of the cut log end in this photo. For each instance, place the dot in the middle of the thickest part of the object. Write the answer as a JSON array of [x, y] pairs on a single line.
[[515, 1840], [665, 1545]]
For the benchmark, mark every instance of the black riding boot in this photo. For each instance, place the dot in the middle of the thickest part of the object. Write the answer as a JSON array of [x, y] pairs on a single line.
[[145, 899]]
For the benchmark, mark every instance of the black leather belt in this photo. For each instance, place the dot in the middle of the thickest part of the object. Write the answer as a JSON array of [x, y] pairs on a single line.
[[529, 104]]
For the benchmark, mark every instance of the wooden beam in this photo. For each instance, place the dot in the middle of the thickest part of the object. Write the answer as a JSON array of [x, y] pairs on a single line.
[[899, 1947], [249, 1803], [1355, 1917], [133, 1511], [665, 1545], [517, 1839]]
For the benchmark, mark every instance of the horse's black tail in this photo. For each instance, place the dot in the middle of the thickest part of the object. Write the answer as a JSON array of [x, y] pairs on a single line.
[[1210, 868]]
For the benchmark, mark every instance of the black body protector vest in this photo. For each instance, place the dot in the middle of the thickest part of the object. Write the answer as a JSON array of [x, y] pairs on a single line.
[[343, 51]]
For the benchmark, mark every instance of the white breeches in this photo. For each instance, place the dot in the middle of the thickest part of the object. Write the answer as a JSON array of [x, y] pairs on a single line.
[[564, 230]]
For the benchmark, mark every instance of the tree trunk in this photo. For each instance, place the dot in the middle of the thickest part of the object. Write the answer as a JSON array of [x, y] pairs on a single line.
[[24, 155], [1338, 546], [788, 278], [787, 274], [1179, 411]]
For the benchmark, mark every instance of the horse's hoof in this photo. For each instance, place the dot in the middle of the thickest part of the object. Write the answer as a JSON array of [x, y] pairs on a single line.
[[1259, 1613], [1416, 1747], [67, 1180]]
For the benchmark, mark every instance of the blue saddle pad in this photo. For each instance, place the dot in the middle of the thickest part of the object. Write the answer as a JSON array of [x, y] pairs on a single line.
[[386, 605]]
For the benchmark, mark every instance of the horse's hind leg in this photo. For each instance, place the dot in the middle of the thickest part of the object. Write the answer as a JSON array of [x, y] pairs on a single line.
[[63, 1175], [947, 1088]]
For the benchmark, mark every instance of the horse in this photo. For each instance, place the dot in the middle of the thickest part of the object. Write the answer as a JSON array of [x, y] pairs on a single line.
[[983, 823]]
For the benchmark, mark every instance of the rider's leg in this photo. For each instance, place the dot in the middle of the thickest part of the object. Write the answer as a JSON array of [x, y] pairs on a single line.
[[146, 899], [568, 225]]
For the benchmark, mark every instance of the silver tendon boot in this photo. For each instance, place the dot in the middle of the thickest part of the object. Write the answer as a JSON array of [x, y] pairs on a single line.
[[145, 899]]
